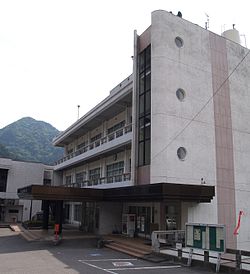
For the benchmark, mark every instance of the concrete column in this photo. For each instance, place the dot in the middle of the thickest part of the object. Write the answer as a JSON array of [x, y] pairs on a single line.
[[59, 214], [45, 206]]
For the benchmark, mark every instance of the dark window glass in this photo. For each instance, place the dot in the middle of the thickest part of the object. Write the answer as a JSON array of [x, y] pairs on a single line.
[[141, 105], [147, 152], [142, 78], [144, 107], [141, 153], [148, 102], [148, 80], [96, 137], [142, 62], [116, 127], [148, 57], [3, 179]]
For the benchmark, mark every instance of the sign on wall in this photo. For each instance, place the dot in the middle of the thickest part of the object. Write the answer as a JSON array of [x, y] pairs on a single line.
[[206, 236]]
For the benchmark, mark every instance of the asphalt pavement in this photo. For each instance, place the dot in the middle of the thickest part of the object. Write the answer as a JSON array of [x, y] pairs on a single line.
[[18, 256]]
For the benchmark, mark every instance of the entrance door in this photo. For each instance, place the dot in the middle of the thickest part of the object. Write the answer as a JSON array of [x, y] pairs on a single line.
[[143, 219], [172, 216]]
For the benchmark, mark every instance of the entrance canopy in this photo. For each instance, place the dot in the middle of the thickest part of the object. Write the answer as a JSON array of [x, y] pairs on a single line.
[[139, 193]]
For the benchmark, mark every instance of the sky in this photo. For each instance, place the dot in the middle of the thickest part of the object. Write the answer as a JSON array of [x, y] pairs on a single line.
[[56, 54]]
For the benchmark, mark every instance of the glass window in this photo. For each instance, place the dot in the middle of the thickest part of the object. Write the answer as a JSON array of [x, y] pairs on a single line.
[[179, 42], [144, 107], [80, 177], [142, 62], [148, 80], [142, 88], [180, 94], [148, 102], [141, 153], [141, 105], [116, 127], [147, 152], [77, 213], [181, 153], [94, 176], [96, 137], [68, 180], [3, 179], [115, 172]]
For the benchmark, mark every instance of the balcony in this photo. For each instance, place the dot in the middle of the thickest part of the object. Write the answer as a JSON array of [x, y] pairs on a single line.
[[105, 182], [109, 142]]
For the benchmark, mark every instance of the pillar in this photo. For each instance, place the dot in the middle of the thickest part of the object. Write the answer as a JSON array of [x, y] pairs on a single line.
[[45, 206], [59, 214]]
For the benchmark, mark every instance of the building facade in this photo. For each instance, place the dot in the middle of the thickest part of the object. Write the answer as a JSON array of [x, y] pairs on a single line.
[[180, 119], [16, 174]]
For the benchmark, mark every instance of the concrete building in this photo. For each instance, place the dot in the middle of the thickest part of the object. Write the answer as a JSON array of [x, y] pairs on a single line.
[[170, 144], [16, 174]]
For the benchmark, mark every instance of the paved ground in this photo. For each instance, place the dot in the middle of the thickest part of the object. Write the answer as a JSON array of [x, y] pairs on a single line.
[[18, 256]]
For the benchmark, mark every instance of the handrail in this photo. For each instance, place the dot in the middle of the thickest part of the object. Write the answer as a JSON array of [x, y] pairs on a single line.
[[103, 180], [108, 138]]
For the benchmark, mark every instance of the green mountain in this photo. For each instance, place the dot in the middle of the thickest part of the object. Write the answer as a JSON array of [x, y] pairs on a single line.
[[29, 140]]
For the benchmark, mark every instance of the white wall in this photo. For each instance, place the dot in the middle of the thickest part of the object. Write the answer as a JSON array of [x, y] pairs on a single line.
[[21, 174], [188, 68], [240, 110]]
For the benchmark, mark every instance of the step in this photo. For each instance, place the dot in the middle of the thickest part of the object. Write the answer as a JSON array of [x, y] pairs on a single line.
[[126, 251], [15, 228]]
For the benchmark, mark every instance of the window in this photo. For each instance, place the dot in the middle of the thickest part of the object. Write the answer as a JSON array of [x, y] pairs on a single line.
[[179, 42], [77, 213], [94, 176], [116, 127], [13, 211], [181, 153], [115, 172], [68, 180], [180, 94], [80, 177], [3, 179], [83, 144], [144, 107], [96, 137]]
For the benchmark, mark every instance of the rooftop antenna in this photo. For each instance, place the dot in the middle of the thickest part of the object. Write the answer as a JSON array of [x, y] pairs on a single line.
[[78, 108], [207, 22]]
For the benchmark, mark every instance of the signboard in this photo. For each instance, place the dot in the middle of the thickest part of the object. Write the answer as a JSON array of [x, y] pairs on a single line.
[[206, 236]]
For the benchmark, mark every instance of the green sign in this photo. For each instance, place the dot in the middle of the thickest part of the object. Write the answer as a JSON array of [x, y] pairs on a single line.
[[206, 237]]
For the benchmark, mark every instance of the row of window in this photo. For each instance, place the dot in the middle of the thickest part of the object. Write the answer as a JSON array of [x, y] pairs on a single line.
[[98, 136], [112, 170]]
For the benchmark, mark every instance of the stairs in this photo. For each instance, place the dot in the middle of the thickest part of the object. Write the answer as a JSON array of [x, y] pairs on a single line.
[[127, 247]]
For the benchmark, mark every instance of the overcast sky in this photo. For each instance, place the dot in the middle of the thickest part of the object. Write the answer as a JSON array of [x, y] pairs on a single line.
[[55, 55]]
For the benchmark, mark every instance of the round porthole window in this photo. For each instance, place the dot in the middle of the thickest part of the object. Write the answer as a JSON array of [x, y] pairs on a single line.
[[180, 94], [179, 42], [181, 153]]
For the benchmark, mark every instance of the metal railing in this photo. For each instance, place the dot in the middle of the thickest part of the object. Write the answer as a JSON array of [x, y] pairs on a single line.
[[97, 143], [172, 243], [167, 238], [103, 180]]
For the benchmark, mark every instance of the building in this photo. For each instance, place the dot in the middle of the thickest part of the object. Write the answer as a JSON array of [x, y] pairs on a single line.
[[170, 144], [16, 174]]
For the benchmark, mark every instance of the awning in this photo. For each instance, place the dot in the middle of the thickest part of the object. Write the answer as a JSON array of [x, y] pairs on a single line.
[[139, 193]]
